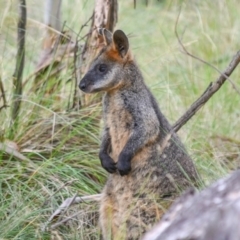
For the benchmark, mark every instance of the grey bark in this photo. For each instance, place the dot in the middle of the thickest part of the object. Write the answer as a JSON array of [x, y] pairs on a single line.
[[212, 214]]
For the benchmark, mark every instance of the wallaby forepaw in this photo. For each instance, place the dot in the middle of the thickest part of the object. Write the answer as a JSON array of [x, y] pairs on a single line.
[[110, 167], [123, 166], [107, 163]]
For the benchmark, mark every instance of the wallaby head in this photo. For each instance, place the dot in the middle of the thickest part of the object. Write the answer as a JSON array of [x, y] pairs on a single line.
[[106, 70]]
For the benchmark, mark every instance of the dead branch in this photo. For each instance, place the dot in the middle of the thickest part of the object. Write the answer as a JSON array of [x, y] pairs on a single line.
[[2, 95], [208, 93], [17, 76]]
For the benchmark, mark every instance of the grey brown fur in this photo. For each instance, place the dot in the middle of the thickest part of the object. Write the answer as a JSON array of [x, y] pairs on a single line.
[[145, 172]]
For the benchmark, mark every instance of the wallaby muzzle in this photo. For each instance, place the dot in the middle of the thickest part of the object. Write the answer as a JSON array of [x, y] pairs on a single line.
[[85, 85]]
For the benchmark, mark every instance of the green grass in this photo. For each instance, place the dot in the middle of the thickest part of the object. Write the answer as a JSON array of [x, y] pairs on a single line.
[[63, 146]]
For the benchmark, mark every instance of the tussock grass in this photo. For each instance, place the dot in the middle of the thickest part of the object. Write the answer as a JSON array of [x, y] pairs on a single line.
[[63, 145]]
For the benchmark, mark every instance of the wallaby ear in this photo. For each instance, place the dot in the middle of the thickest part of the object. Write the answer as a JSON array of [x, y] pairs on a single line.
[[107, 35], [120, 41]]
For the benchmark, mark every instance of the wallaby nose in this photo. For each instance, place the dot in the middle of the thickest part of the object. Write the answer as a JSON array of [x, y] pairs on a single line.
[[82, 85]]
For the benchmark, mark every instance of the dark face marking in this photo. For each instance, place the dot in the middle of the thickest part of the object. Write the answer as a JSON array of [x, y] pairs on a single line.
[[103, 75], [94, 79]]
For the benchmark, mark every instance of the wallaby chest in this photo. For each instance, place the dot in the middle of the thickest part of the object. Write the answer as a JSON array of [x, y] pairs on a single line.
[[119, 121]]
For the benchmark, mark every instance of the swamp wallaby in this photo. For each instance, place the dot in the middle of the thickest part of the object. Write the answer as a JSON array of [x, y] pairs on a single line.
[[146, 169]]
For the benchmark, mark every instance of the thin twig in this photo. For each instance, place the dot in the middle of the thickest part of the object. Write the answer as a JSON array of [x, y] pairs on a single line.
[[17, 76]]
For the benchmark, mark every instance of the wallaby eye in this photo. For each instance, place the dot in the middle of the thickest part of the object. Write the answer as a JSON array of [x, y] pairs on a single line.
[[102, 68]]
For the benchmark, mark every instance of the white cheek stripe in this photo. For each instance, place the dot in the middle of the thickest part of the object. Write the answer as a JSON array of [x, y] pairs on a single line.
[[105, 81]]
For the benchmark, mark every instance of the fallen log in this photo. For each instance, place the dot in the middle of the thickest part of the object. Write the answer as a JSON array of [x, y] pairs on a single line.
[[212, 214]]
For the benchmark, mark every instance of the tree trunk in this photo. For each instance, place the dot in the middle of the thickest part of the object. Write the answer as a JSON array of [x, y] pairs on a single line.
[[213, 214], [52, 20], [105, 16]]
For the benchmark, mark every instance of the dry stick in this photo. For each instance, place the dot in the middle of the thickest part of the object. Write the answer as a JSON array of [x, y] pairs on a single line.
[[212, 88], [17, 76], [3, 95]]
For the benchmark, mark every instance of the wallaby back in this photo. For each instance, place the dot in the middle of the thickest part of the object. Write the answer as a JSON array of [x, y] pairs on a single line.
[[148, 166]]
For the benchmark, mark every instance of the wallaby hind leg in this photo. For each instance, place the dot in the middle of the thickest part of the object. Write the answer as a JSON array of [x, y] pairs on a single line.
[[108, 215], [140, 217]]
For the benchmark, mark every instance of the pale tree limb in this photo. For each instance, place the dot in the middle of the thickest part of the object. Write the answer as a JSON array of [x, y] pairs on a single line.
[[214, 214]]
